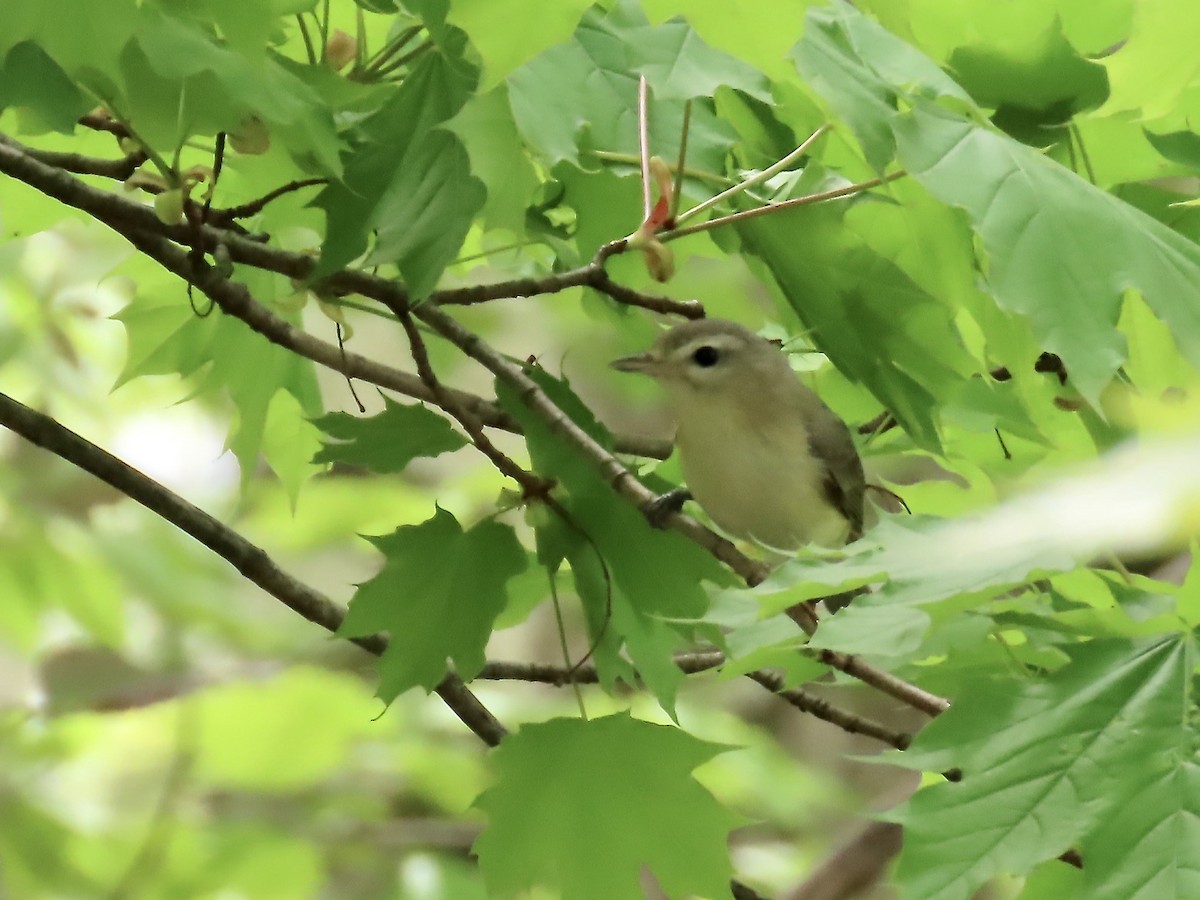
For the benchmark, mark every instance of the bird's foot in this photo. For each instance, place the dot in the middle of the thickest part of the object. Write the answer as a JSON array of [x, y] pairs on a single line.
[[658, 509]]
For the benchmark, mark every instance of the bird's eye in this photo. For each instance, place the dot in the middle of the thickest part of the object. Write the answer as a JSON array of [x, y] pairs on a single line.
[[706, 356]]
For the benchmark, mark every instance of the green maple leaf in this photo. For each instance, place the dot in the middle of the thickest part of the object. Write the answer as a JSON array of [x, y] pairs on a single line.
[[1101, 755], [389, 441], [652, 575], [437, 596], [581, 806]]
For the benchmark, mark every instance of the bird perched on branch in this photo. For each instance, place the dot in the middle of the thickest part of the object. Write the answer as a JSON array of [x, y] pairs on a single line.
[[760, 452]]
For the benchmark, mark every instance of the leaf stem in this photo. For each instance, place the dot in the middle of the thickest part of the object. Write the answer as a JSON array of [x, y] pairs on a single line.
[[562, 643]]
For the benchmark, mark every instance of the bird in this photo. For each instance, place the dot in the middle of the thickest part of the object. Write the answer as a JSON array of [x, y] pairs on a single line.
[[761, 454]]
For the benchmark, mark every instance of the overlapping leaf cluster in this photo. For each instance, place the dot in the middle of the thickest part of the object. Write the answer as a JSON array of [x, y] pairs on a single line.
[[1027, 226]]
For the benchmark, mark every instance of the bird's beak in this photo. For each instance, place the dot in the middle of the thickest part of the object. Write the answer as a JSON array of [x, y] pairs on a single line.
[[639, 362]]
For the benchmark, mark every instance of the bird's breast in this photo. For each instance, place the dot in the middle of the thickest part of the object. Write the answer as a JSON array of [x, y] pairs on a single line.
[[760, 484]]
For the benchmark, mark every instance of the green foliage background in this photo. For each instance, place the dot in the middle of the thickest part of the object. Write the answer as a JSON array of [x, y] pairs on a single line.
[[1024, 303]]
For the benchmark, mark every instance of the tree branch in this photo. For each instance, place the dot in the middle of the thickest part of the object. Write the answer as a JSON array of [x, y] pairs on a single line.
[[693, 663], [113, 209], [120, 169], [251, 561]]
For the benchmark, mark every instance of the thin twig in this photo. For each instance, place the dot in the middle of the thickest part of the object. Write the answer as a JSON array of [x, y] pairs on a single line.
[[119, 169], [389, 50], [250, 560], [531, 485], [254, 207], [849, 722], [693, 663], [405, 59], [309, 50], [757, 178], [683, 142], [770, 208], [644, 145]]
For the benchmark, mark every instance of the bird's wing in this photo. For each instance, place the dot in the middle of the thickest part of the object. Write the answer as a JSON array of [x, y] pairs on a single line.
[[844, 483]]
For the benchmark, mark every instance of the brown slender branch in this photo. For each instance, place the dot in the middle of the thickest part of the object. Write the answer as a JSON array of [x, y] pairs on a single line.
[[823, 709], [531, 484], [120, 169], [254, 207], [702, 661], [886, 682], [250, 560], [102, 121]]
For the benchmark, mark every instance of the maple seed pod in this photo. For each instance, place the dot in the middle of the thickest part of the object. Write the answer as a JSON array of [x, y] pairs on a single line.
[[537, 515], [661, 173], [197, 174], [334, 312], [147, 181], [251, 137], [293, 303], [340, 49], [168, 206], [660, 261]]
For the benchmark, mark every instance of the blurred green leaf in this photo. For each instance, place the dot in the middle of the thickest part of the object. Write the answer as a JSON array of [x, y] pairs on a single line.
[[291, 731], [32, 80], [584, 827], [489, 26], [486, 129], [1075, 755]]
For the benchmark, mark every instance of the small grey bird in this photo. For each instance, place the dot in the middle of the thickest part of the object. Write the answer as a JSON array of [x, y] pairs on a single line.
[[760, 452]]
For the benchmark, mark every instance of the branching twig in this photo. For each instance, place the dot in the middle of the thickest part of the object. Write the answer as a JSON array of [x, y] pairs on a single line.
[[823, 709], [120, 169], [121, 214], [254, 207], [531, 484], [757, 178], [692, 663], [806, 200], [251, 561]]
